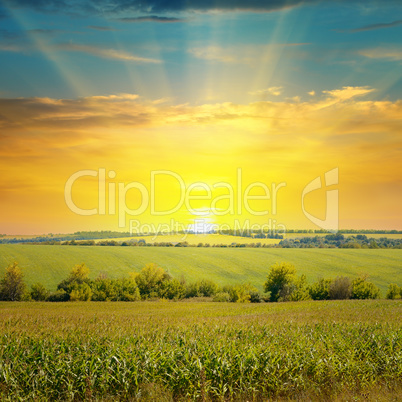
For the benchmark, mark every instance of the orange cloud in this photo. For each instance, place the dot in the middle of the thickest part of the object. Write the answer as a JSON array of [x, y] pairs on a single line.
[[44, 141]]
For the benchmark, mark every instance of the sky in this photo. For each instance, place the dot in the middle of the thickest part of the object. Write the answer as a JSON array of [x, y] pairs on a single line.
[[131, 115]]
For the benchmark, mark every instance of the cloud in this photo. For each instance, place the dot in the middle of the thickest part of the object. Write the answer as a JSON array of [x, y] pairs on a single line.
[[346, 93], [377, 26], [44, 140], [276, 91], [213, 53], [153, 6], [101, 28], [393, 54], [243, 54], [106, 53], [152, 18]]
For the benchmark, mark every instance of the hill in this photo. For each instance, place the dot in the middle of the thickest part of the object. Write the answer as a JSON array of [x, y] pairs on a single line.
[[51, 264]]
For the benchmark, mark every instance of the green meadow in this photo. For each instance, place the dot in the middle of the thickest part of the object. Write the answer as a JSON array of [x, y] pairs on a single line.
[[50, 264]]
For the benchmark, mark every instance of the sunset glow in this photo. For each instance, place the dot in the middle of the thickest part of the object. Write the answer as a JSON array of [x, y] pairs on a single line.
[[280, 94]]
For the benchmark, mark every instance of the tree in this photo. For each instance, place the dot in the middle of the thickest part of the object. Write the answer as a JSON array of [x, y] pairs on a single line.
[[12, 286], [280, 276]]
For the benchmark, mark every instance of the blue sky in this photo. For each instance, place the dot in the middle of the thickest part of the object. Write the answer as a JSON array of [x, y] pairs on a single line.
[[206, 56], [285, 90]]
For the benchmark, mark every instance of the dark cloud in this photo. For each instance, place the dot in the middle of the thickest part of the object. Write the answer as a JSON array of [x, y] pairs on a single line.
[[99, 28], [377, 26], [156, 7], [152, 18], [151, 7], [162, 6]]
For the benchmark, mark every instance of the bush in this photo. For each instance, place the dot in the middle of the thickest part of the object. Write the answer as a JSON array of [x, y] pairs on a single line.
[[280, 276], [173, 289], [58, 296], [203, 288], [38, 292], [150, 280], [208, 288], [78, 276], [394, 292], [12, 286], [255, 297], [240, 293], [340, 288], [362, 289], [298, 290], [320, 289], [81, 292], [105, 289], [221, 297]]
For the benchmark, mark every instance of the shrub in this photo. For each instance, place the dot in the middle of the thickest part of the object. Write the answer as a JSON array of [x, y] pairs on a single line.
[[208, 288], [393, 292], [173, 289], [39, 292], [81, 292], [221, 297], [298, 290], [58, 296], [240, 293], [362, 289], [105, 289], [203, 288], [150, 279], [255, 297], [78, 276], [280, 276], [12, 286], [340, 288], [320, 289]]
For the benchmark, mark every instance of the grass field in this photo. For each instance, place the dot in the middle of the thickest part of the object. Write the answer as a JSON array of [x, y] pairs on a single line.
[[165, 351], [51, 264]]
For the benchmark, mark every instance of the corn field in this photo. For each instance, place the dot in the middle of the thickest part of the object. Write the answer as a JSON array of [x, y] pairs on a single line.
[[198, 351]]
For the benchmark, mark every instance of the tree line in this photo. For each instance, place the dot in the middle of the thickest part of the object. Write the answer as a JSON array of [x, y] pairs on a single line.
[[153, 282], [329, 241]]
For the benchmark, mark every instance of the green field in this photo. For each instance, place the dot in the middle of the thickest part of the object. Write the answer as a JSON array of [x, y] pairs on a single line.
[[51, 264], [167, 351]]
